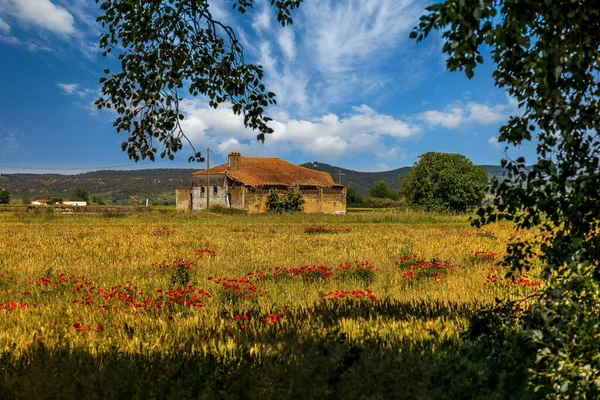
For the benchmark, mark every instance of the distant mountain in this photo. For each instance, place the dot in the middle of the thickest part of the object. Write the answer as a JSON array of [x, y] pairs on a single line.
[[158, 185], [363, 181]]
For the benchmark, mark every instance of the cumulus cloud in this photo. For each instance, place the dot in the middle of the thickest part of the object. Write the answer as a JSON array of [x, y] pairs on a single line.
[[362, 132], [451, 118], [460, 114], [43, 14], [328, 137], [486, 115]]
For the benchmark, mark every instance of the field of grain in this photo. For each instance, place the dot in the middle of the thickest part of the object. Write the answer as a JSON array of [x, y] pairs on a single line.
[[180, 305]]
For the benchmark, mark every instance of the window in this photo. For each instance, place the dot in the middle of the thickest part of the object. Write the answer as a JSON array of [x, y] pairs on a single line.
[[202, 190], [215, 189]]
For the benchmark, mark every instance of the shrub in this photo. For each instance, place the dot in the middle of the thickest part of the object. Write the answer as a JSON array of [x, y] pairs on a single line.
[[287, 202], [375, 202], [4, 196]]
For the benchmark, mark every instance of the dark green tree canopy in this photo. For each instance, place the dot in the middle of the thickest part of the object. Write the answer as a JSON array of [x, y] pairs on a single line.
[[4, 196], [381, 190], [547, 56], [445, 182], [166, 48], [82, 194], [352, 198]]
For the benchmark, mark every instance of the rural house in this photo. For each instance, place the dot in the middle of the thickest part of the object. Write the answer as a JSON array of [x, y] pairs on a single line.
[[245, 182]]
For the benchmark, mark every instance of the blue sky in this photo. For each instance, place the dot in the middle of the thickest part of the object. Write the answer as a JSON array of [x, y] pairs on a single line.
[[352, 90]]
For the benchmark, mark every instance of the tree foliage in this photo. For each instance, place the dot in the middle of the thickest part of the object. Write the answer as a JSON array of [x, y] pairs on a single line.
[[166, 48], [352, 198], [547, 57], [445, 182], [381, 190], [289, 201], [82, 194], [4, 196]]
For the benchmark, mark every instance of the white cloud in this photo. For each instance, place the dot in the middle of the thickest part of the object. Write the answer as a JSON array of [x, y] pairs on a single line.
[[494, 142], [363, 131], [7, 38], [5, 34], [10, 40], [4, 27], [328, 137], [9, 143], [336, 52], [33, 47], [461, 114], [43, 14], [71, 21], [218, 10], [68, 88], [286, 41], [451, 118], [262, 20], [486, 115], [85, 13], [72, 89], [348, 34]]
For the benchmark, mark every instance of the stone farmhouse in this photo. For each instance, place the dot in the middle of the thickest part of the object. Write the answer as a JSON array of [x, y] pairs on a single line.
[[245, 182]]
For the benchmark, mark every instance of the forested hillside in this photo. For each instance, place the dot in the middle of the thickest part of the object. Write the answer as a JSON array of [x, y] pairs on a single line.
[[158, 185]]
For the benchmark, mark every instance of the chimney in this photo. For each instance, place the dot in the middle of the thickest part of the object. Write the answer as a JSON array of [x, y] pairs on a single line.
[[235, 161]]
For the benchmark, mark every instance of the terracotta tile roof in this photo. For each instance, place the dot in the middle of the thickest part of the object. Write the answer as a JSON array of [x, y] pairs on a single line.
[[262, 171]]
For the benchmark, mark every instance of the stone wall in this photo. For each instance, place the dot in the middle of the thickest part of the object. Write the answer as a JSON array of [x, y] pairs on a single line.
[[328, 200], [256, 201], [218, 197], [217, 192], [325, 200], [317, 200], [182, 198], [237, 197]]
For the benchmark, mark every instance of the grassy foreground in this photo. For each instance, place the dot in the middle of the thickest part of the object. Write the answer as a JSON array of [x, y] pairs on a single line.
[[180, 305]]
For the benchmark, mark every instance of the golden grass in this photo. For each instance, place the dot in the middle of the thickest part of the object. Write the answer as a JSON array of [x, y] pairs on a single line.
[[113, 251]]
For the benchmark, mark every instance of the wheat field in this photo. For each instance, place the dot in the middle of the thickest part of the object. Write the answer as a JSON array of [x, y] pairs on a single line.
[[169, 305]]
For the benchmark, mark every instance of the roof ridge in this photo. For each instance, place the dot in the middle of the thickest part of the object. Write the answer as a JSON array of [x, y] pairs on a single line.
[[264, 171]]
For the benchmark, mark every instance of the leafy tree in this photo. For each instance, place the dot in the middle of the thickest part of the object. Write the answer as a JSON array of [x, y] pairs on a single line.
[[445, 182], [352, 198], [547, 57], [82, 194], [287, 202], [4, 196], [381, 190], [167, 47]]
